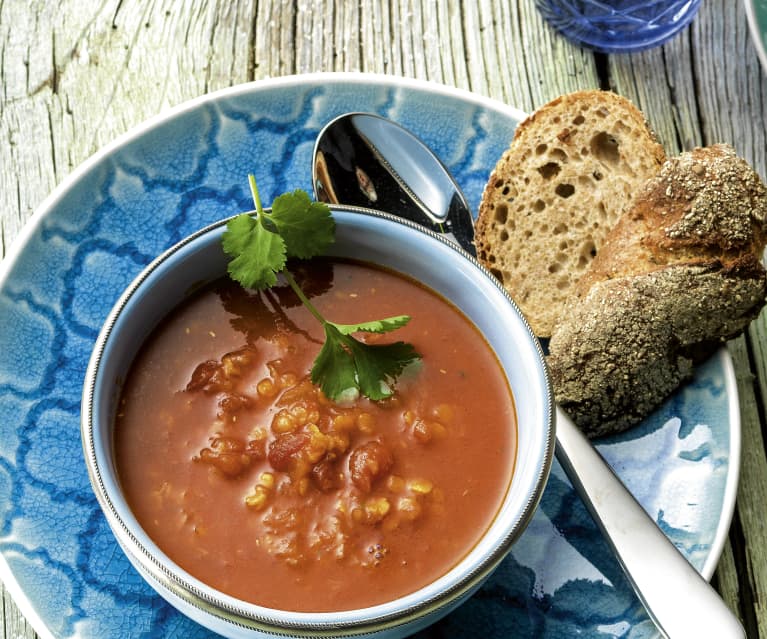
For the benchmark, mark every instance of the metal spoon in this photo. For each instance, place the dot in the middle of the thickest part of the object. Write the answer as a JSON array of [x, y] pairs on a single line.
[[367, 160]]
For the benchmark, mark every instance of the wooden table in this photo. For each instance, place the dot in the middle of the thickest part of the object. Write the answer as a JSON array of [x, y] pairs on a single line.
[[76, 75]]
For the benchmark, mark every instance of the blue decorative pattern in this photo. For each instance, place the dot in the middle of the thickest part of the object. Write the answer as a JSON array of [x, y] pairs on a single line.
[[186, 170]]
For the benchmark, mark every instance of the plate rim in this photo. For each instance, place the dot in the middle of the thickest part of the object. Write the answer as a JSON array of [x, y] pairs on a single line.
[[733, 470], [756, 32], [41, 212]]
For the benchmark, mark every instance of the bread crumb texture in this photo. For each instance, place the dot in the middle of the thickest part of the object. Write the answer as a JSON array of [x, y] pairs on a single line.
[[571, 169], [679, 274]]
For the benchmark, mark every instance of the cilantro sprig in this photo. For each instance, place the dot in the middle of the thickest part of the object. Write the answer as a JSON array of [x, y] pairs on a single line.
[[297, 227]]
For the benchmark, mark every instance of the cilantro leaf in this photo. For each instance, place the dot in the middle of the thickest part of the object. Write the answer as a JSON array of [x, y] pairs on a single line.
[[376, 326], [307, 227], [379, 365], [345, 362], [334, 371], [297, 227], [258, 254]]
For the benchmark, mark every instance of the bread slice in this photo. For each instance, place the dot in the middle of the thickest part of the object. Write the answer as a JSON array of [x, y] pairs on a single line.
[[679, 274], [571, 169]]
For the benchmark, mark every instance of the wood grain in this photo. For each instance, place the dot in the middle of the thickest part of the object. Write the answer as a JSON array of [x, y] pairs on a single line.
[[77, 75]]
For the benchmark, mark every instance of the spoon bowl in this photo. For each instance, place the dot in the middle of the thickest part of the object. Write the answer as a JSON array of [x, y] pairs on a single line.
[[363, 159]]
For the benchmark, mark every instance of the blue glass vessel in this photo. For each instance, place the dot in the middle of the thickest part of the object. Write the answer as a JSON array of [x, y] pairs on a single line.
[[618, 26]]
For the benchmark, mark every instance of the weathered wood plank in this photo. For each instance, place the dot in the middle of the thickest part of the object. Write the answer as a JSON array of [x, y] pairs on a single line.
[[15, 626], [513, 56], [727, 61], [725, 580], [751, 585]]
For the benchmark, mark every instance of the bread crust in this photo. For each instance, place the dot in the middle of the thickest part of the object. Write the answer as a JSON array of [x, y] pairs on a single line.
[[569, 172], [679, 274]]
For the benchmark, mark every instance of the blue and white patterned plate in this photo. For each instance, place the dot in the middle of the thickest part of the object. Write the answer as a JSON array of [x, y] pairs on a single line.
[[756, 12], [186, 169]]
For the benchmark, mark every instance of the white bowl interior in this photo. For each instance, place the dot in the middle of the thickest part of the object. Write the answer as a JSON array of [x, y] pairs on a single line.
[[374, 238]]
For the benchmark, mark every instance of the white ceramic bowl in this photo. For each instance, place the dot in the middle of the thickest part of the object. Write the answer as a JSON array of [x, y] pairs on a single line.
[[376, 238]]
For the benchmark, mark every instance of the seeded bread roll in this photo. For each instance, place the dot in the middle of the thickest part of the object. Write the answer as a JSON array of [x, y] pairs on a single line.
[[555, 193], [679, 274]]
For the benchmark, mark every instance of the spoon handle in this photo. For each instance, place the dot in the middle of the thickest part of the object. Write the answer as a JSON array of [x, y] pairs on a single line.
[[677, 598]]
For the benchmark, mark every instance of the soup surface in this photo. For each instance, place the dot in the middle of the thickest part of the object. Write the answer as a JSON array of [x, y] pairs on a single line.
[[255, 483]]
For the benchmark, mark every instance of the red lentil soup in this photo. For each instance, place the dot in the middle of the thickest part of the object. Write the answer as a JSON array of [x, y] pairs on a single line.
[[251, 480]]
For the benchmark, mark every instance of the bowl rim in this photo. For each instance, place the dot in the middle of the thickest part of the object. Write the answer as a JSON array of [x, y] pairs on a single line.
[[209, 601]]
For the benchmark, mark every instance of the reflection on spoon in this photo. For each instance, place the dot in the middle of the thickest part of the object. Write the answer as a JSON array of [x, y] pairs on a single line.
[[407, 178], [362, 159]]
